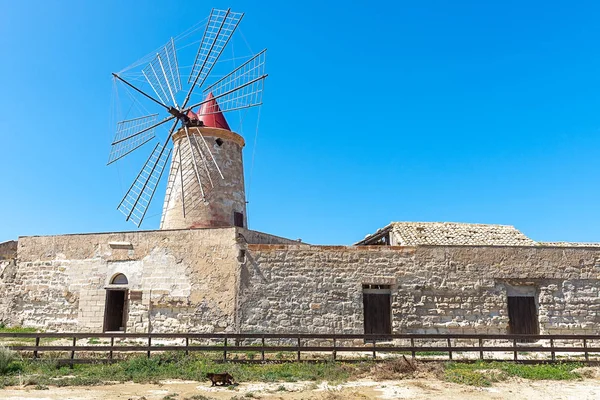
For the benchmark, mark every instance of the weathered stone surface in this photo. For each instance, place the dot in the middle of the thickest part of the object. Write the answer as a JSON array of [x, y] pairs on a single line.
[[222, 198], [236, 280], [435, 289], [186, 278], [8, 250]]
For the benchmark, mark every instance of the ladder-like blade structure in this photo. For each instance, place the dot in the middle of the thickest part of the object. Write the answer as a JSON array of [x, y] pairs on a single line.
[[137, 199], [199, 169], [219, 29], [162, 73], [241, 88], [195, 173], [176, 173], [130, 135]]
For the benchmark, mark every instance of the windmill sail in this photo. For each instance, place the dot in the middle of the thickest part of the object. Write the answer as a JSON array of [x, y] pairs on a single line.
[[221, 25], [162, 73], [241, 88], [137, 199], [130, 135]]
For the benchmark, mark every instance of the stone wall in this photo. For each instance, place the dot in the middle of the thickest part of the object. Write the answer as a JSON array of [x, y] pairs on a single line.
[[201, 281], [8, 250], [255, 237], [223, 196], [435, 289], [178, 280]]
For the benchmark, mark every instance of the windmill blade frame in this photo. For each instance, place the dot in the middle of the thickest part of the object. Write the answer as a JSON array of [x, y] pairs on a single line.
[[255, 85], [162, 72], [134, 204], [241, 88], [216, 22], [122, 146], [205, 59]]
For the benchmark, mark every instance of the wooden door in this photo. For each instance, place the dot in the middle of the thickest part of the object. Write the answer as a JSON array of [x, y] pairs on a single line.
[[522, 315], [378, 313], [114, 311]]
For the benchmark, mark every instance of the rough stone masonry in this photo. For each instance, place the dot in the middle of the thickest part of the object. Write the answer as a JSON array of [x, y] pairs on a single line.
[[237, 280]]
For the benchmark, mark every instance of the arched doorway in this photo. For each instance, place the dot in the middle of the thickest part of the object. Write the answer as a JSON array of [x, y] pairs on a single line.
[[115, 309]]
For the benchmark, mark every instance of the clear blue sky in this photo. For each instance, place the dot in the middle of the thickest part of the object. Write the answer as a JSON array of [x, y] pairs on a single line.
[[374, 112]]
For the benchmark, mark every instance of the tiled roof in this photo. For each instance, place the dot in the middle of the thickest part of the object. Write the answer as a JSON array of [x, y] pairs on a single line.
[[450, 234], [457, 234]]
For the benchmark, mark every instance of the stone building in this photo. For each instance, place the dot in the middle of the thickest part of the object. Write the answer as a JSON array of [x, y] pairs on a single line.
[[206, 272]]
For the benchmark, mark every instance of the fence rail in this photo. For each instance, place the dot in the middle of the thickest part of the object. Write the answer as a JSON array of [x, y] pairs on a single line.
[[306, 347]]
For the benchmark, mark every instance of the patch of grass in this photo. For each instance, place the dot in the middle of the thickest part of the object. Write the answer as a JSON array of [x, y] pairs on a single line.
[[93, 340], [172, 396], [7, 358], [199, 397], [431, 353], [16, 329], [467, 377], [495, 371]]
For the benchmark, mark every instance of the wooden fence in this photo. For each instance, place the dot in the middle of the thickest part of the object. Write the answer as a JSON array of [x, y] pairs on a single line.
[[97, 347]]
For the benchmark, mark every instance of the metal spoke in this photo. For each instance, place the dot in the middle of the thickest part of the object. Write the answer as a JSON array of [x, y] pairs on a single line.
[[203, 161], [140, 91], [195, 166]]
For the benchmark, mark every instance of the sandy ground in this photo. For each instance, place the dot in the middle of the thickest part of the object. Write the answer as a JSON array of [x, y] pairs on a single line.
[[362, 389]]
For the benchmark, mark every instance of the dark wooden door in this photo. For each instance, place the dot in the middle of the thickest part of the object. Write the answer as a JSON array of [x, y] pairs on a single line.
[[523, 316], [378, 313], [114, 311]]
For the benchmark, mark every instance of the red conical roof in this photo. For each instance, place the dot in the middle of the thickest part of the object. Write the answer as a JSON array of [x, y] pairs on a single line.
[[211, 114]]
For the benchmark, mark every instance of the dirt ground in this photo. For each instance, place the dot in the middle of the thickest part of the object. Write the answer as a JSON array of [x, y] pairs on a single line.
[[587, 389]]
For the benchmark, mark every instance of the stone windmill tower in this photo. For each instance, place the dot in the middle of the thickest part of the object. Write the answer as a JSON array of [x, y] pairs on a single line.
[[225, 204], [205, 187]]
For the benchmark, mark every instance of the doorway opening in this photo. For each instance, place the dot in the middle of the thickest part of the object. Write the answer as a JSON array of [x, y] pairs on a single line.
[[377, 306], [115, 309], [522, 311]]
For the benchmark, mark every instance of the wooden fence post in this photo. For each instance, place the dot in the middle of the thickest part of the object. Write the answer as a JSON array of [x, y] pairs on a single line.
[[449, 349], [334, 349], [412, 344], [552, 347], [187, 345], [587, 355], [225, 350], [149, 344], [515, 348], [112, 343], [262, 349], [37, 344], [298, 348], [73, 352], [480, 348], [374, 346]]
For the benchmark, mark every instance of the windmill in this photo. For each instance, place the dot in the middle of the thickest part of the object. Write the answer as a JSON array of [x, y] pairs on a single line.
[[205, 185]]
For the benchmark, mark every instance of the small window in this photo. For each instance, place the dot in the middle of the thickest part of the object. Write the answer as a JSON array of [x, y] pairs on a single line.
[[238, 219], [119, 279], [219, 142]]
